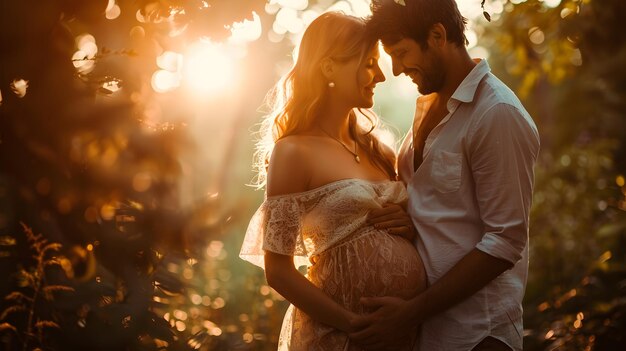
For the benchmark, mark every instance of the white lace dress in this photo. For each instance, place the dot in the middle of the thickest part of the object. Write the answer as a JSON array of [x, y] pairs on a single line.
[[324, 228]]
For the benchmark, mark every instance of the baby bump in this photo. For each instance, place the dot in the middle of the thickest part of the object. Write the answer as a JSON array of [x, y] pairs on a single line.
[[371, 263]]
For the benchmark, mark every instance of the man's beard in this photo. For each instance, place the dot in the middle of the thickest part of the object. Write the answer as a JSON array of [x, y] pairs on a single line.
[[432, 79]]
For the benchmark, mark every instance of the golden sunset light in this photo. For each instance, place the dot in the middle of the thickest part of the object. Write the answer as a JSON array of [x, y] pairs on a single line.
[[264, 175]]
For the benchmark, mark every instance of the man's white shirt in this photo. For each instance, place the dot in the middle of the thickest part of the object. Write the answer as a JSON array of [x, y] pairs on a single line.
[[474, 190]]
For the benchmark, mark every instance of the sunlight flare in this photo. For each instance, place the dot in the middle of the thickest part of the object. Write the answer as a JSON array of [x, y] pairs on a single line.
[[208, 69], [170, 61], [164, 81], [84, 58], [19, 87], [246, 30], [294, 4]]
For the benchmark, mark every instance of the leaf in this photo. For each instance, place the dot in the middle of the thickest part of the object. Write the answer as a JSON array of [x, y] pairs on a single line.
[[51, 246], [18, 296], [168, 283], [610, 229], [105, 301], [198, 339], [159, 328], [7, 326], [6, 240], [52, 288], [105, 91], [52, 261], [11, 310], [46, 324], [487, 16]]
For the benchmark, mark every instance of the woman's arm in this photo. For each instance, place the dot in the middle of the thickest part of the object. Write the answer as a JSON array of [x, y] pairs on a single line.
[[289, 172], [282, 275]]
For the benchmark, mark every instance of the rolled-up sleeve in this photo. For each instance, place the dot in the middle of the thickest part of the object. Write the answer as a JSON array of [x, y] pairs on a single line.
[[504, 145]]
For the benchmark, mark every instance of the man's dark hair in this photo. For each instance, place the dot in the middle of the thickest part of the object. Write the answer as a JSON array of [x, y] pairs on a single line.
[[391, 21]]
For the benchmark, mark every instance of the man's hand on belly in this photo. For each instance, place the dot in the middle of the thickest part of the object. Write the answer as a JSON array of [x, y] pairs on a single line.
[[384, 328]]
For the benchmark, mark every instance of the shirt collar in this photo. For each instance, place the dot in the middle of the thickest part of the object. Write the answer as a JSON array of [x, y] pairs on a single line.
[[467, 89]]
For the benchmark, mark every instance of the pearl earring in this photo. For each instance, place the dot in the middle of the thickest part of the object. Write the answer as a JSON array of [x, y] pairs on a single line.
[[331, 84]]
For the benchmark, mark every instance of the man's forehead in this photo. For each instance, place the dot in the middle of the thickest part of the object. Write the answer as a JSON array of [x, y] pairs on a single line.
[[399, 45]]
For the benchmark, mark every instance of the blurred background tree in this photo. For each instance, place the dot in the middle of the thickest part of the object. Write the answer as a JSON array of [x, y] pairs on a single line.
[[565, 59], [126, 140]]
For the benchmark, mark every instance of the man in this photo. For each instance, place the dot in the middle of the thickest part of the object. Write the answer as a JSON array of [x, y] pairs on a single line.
[[468, 166]]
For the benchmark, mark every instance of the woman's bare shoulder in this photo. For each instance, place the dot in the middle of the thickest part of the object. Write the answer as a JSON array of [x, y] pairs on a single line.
[[289, 168]]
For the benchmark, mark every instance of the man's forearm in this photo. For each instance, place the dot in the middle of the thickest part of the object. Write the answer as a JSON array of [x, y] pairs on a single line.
[[469, 275]]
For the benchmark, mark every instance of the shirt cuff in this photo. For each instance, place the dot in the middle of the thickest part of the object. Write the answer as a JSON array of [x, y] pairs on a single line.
[[495, 245]]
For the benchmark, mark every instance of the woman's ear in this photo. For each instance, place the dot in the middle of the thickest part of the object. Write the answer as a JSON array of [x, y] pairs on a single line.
[[437, 35], [327, 65]]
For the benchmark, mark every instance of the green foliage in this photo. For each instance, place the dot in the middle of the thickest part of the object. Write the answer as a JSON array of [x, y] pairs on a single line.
[[82, 162], [572, 204], [567, 64], [592, 315], [92, 178]]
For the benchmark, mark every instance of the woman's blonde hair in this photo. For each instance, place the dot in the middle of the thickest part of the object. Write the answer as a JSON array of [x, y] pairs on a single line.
[[297, 98]]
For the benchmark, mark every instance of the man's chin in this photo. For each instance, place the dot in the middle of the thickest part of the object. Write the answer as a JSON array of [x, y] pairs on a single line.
[[427, 89], [424, 90]]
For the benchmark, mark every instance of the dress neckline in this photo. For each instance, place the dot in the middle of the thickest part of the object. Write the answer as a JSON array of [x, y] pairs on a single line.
[[331, 184]]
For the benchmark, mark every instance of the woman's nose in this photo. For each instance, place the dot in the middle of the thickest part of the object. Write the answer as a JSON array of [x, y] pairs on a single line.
[[380, 76], [396, 66]]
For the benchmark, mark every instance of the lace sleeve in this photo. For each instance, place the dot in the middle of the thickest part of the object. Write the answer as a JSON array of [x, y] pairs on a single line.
[[275, 227]]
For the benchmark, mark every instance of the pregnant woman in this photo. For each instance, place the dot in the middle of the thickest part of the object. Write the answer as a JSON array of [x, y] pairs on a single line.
[[324, 170]]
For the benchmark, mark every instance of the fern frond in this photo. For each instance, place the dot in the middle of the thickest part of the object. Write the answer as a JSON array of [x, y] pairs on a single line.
[[11, 310], [26, 229], [29, 233], [38, 246], [25, 278], [18, 296]]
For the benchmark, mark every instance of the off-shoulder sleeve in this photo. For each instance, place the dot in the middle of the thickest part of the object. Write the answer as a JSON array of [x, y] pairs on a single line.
[[276, 227]]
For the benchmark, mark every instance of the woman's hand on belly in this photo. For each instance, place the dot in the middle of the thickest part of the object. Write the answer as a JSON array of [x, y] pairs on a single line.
[[393, 219]]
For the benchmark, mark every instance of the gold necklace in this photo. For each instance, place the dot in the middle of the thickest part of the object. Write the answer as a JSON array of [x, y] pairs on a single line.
[[356, 156]]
